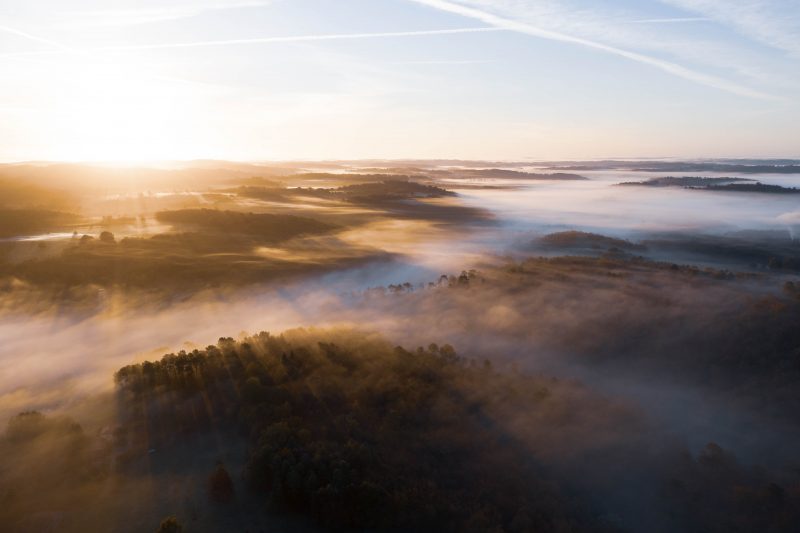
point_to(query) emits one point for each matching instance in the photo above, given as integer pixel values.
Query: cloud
(771, 22)
(519, 26)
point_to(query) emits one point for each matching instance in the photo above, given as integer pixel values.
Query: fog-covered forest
(399, 266)
(399, 346)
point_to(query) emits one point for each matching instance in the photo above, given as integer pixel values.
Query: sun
(107, 111)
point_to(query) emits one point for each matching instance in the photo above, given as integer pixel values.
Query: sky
(125, 80)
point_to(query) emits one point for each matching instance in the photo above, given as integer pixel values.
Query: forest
(750, 251)
(714, 184)
(203, 250)
(340, 430)
(444, 353)
(360, 435)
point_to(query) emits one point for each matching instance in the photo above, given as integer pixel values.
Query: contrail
(126, 17)
(297, 38)
(528, 29)
(668, 20)
(261, 40)
(34, 38)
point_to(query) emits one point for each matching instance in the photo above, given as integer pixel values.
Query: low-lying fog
(80, 351)
(598, 205)
(55, 357)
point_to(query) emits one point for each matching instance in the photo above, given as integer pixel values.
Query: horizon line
(124, 162)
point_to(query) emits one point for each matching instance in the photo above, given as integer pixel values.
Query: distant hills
(713, 184)
(738, 166)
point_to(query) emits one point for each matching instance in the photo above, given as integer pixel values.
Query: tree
(220, 485)
(170, 525)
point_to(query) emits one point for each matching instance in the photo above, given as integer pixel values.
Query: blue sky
(319, 79)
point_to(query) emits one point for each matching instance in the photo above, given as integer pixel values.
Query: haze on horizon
(472, 79)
